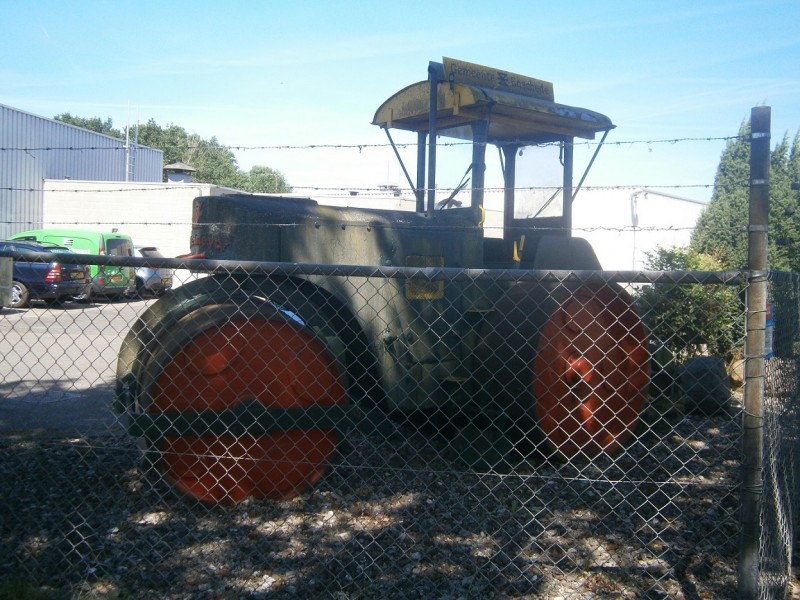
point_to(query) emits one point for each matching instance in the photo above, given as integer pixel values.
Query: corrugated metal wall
(34, 148)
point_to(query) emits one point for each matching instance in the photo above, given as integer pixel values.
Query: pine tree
(784, 227)
(722, 228)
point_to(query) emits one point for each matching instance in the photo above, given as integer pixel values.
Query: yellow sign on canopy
(467, 73)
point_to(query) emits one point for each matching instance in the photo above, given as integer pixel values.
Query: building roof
(179, 166)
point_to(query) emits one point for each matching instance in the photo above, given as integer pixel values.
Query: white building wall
(623, 225)
(153, 214)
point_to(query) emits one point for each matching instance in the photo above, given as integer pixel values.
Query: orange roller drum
(271, 360)
(591, 371)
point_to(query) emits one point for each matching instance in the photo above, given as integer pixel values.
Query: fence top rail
(207, 266)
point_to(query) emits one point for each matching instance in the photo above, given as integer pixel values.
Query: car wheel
(86, 297)
(141, 290)
(20, 296)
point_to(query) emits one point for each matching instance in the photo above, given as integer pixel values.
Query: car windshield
(118, 247)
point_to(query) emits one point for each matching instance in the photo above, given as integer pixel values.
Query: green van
(107, 280)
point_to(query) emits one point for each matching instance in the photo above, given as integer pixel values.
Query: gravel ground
(396, 517)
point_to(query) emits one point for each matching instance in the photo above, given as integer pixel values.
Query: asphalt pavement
(58, 366)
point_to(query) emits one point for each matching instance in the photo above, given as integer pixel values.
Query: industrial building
(34, 149)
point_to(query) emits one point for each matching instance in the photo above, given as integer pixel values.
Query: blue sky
(258, 74)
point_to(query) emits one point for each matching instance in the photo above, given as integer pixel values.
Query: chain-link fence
(267, 430)
(779, 478)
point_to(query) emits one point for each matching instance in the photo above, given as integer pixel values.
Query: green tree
(214, 162)
(784, 229)
(266, 180)
(691, 318)
(172, 140)
(95, 124)
(722, 228)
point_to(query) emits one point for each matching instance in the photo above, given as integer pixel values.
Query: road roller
(247, 382)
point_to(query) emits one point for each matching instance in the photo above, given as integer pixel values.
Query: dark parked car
(150, 280)
(53, 281)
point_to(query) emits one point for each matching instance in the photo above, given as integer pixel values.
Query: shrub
(691, 319)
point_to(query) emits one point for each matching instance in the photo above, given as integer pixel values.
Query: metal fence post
(753, 416)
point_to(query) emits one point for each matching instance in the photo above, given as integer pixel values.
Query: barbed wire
(151, 188)
(360, 146)
(552, 188)
(347, 191)
(335, 224)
